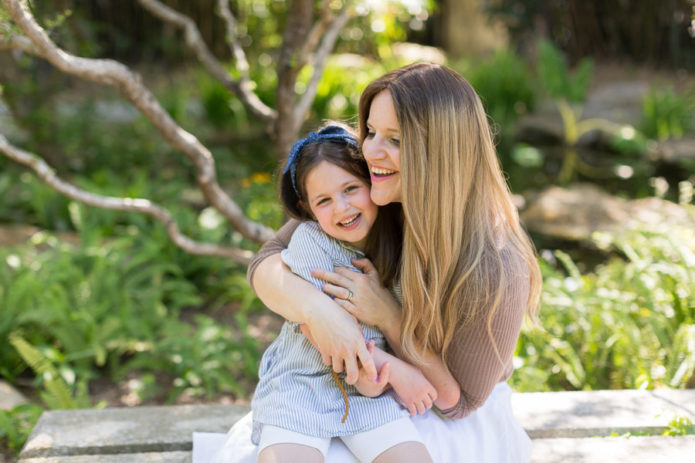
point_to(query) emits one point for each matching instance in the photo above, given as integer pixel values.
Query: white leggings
(366, 446)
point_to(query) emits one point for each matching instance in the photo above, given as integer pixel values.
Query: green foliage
(344, 77)
(16, 425)
(630, 323)
(506, 86)
(680, 426)
(57, 394)
(557, 79)
(667, 114)
(113, 306)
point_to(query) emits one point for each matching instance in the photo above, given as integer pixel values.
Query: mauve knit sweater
(472, 357)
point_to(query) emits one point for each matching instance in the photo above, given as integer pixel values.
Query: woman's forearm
(336, 333)
(285, 293)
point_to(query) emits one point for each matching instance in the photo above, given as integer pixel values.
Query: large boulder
(575, 212)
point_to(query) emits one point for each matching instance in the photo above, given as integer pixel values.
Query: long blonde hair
(462, 241)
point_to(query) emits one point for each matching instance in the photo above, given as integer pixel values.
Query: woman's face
(381, 149)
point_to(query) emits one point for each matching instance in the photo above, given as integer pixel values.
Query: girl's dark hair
(385, 238)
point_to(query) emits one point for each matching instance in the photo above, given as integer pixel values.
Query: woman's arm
(374, 305)
(336, 333)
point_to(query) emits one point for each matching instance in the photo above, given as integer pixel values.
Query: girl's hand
(366, 384)
(362, 294)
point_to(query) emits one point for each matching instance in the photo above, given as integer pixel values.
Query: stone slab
(600, 413)
(126, 430)
(648, 449)
(152, 457)
(10, 397)
(170, 428)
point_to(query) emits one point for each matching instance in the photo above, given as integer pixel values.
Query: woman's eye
(370, 134)
(351, 188)
(396, 141)
(322, 202)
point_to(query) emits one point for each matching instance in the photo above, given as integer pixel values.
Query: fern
(58, 395)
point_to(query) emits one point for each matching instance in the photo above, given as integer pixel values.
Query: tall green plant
(568, 89)
(57, 393)
(630, 323)
(667, 114)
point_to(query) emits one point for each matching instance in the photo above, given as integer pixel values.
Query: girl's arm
(374, 305)
(336, 333)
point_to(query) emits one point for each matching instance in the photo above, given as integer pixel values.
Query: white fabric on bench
(491, 434)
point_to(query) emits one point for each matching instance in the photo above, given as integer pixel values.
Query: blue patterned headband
(331, 133)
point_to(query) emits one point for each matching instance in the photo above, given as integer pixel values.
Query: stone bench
(566, 427)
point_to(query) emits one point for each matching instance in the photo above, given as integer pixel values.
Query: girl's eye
(351, 188)
(322, 202)
(395, 141)
(370, 134)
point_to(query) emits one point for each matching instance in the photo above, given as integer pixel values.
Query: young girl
(298, 406)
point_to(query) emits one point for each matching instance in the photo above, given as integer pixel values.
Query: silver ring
(349, 298)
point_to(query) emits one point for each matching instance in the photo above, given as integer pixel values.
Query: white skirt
(490, 434)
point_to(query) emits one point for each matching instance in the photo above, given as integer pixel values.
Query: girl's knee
(406, 452)
(290, 453)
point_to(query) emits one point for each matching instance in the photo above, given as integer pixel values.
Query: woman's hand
(336, 333)
(340, 340)
(361, 294)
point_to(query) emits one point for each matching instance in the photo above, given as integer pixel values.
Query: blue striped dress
(296, 391)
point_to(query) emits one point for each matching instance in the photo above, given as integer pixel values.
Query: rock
(541, 128)
(620, 102)
(675, 151)
(10, 397)
(574, 213)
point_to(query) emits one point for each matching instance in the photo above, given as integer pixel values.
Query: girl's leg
(279, 445)
(290, 453)
(394, 442)
(406, 452)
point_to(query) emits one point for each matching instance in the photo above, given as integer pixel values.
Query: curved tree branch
(48, 175)
(129, 84)
(18, 42)
(317, 31)
(230, 22)
(320, 56)
(241, 88)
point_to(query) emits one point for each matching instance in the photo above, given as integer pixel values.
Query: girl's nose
(342, 204)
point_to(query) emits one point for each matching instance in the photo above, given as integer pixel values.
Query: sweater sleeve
(481, 354)
(274, 246)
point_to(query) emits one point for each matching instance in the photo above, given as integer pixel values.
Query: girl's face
(340, 203)
(381, 149)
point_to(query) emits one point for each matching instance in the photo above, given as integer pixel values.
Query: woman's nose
(372, 149)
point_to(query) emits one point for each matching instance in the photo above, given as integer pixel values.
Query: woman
(468, 272)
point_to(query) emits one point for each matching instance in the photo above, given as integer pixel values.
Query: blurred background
(593, 107)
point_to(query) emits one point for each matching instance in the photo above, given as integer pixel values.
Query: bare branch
(297, 29)
(243, 88)
(144, 206)
(18, 42)
(320, 56)
(316, 33)
(230, 22)
(129, 84)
